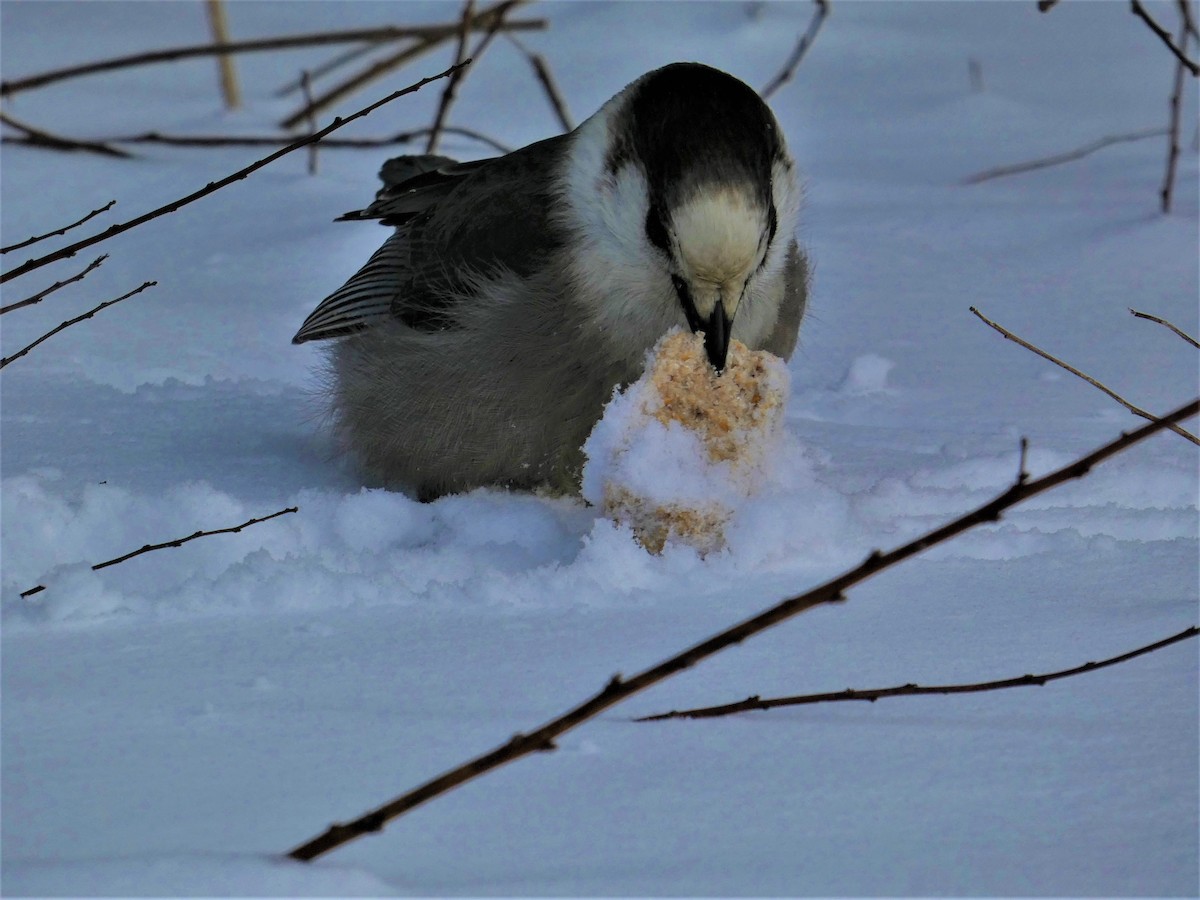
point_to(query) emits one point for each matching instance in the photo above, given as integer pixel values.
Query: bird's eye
(656, 230)
(680, 285)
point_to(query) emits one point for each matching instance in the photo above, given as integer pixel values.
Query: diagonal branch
(213, 186)
(619, 689)
(40, 296)
(1183, 334)
(798, 53)
(1060, 158)
(910, 690)
(541, 69)
(43, 138)
(67, 324)
(178, 542)
(1136, 410)
(58, 233)
(1140, 11)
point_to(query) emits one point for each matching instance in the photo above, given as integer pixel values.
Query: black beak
(716, 337)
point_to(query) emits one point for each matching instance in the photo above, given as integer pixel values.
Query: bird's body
(481, 342)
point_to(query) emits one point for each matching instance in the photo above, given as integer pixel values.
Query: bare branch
(541, 69)
(909, 690)
(1137, 411)
(483, 20)
(178, 542)
(212, 186)
(39, 297)
(306, 84)
(1140, 11)
(325, 68)
(1173, 140)
(282, 140)
(1183, 334)
(43, 138)
(67, 324)
(1060, 158)
(619, 689)
(460, 54)
(354, 35)
(793, 62)
(61, 231)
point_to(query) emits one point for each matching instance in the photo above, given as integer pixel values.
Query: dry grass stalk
(1137, 411)
(281, 140)
(218, 24)
(1183, 334)
(1163, 35)
(619, 689)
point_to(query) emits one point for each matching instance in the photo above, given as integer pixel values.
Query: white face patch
(719, 238)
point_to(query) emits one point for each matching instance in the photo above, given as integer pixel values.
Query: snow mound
(678, 451)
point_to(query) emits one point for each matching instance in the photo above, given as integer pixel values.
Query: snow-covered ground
(173, 724)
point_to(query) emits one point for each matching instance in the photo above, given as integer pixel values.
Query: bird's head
(681, 182)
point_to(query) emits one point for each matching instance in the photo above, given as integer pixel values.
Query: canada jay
(479, 344)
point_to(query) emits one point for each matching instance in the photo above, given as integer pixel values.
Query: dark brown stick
(61, 231)
(460, 53)
(1136, 410)
(422, 33)
(43, 138)
(793, 62)
(1189, 21)
(178, 542)
(1069, 156)
(37, 298)
(541, 69)
(230, 140)
(909, 690)
(1140, 11)
(619, 689)
(1173, 127)
(1183, 334)
(213, 186)
(67, 324)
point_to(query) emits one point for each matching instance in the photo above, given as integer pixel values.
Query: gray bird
(480, 343)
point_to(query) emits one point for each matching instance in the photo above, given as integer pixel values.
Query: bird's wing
(454, 222)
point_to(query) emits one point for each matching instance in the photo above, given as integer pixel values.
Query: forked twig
(1183, 334)
(43, 138)
(1137, 411)
(619, 689)
(1060, 158)
(58, 232)
(910, 690)
(806, 40)
(178, 542)
(354, 35)
(213, 186)
(1140, 11)
(39, 297)
(67, 324)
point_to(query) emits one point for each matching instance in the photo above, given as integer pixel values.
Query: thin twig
(1183, 334)
(483, 20)
(59, 232)
(354, 35)
(237, 140)
(39, 297)
(1060, 158)
(325, 68)
(219, 26)
(44, 138)
(793, 62)
(213, 186)
(1140, 11)
(1189, 21)
(1137, 411)
(67, 324)
(460, 53)
(178, 542)
(541, 69)
(306, 84)
(619, 689)
(909, 690)
(1173, 138)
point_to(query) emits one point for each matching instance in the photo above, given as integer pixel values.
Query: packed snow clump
(677, 451)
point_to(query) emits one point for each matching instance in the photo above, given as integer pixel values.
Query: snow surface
(171, 725)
